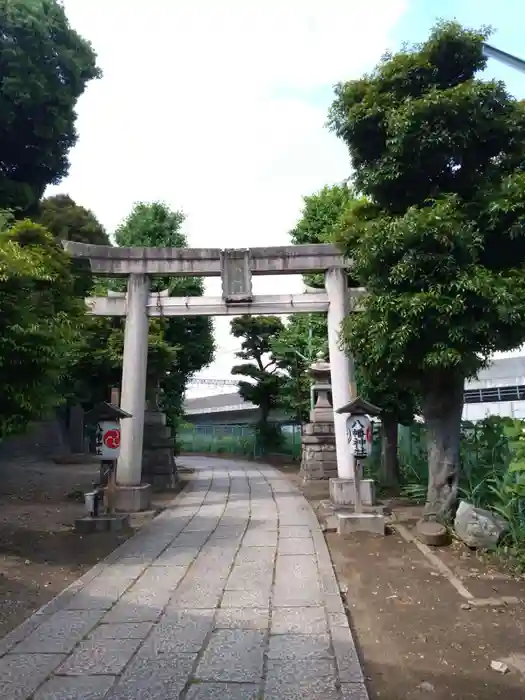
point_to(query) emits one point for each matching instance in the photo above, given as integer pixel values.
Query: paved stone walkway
(228, 594)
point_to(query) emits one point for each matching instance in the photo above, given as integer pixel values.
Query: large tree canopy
(68, 221)
(44, 68)
(438, 238)
(39, 316)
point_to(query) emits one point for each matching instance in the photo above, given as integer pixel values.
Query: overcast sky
(217, 107)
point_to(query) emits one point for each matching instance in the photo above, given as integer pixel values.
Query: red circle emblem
(111, 439)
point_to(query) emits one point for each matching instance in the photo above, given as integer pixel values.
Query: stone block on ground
(477, 527)
(102, 523)
(432, 533)
(350, 523)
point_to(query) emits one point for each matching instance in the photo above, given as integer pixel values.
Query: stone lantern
(357, 491)
(318, 453)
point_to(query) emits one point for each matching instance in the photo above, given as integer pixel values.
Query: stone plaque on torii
(235, 267)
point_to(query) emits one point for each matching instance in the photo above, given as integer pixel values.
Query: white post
(133, 391)
(341, 367)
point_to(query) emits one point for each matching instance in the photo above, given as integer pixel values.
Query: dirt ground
(40, 555)
(417, 636)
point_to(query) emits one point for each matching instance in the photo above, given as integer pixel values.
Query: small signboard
(108, 440)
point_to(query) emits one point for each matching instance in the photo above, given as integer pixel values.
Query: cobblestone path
(228, 594)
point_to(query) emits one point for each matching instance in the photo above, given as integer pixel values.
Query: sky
(218, 108)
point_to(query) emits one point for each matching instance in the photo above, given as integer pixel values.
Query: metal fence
(241, 440)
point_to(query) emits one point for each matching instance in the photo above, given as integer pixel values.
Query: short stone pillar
(318, 451)
(158, 451)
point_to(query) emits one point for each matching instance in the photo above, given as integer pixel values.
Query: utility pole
(503, 57)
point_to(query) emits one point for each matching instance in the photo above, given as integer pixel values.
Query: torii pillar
(132, 495)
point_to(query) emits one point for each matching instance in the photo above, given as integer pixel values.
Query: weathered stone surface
(102, 657)
(223, 691)
(299, 621)
(296, 582)
(75, 688)
(125, 630)
(233, 655)
(299, 646)
(21, 674)
(432, 533)
(478, 527)
(153, 677)
(296, 545)
(181, 631)
(312, 689)
(60, 633)
(242, 618)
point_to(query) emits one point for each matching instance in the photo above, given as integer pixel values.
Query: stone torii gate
(235, 267)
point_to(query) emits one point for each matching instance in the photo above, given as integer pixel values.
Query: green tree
(437, 239)
(44, 68)
(323, 216)
(179, 346)
(261, 367)
(295, 347)
(320, 219)
(39, 315)
(68, 221)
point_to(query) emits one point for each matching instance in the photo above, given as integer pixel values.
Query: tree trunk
(442, 407)
(389, 461)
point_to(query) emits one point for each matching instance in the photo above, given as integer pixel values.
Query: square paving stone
(299, 646)
(260, 538)
(61, 632)
(101, 657)
(299, 621)
(255, 554)
(313, 689)
(21, 674)
(75, 688)
(123, 630)
(346, 655)
(233, 655)
(294, 531)
(242, 618)
(296, 545)
(153, 677)
(181, 631)
(296, 582)
(291, 671)
(177, 556)
(246, 599)
(223, 691)
(354, 691)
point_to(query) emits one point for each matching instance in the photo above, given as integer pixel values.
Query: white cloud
(210, 105)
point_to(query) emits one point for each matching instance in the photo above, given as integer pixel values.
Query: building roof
(219, 402)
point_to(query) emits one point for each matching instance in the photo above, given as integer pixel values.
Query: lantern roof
(360, 407)
(105, 411)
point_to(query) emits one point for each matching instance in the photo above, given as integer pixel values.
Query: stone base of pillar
(342, 492)
(318, 453)
(132, 499)
(158, 461)
(350, 523)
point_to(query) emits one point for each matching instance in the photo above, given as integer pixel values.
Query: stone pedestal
(158, 460)
(319, 457)
(342, 492)
(132, 499)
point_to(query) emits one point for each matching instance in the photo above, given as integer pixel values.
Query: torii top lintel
(206, 262)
